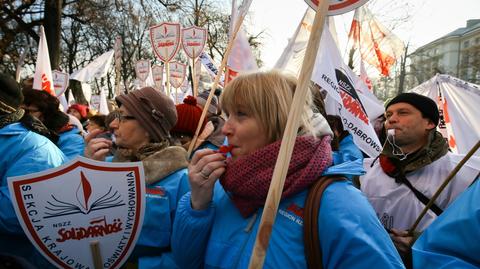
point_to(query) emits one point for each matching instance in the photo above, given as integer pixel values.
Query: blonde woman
(216, 223)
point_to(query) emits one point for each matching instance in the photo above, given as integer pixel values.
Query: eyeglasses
(124, 118)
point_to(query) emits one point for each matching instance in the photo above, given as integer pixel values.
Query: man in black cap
(23, 151)
(413, 164)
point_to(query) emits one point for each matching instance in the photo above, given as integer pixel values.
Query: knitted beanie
(152, 109)
(202, 100)
(82, 109)
(189, 115)
(10, 94)
(424, 104)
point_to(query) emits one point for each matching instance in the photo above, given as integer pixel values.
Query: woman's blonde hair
(267, 96)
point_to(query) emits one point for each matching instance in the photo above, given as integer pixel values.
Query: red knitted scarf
(247, 179)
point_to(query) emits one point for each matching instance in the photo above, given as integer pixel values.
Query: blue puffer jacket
(350, 234)
(71, 143)
(153, 245)
(452, 239)
(348, 156)
(351, 151)
(22, 152)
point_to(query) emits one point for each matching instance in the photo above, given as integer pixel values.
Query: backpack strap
(313, 252)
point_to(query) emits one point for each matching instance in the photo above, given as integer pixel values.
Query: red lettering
(165, 44)
(46, 84)
(353, 107)
(90, 231)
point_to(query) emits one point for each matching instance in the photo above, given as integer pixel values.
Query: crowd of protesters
(212, 201)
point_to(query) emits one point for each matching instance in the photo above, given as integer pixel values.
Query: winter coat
(219, 237)
(167, 181)
(351, 151)
(23, 152)
(397, 206)
(452, 239)
(71, 143)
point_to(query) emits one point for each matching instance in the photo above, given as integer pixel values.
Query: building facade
(456, 54)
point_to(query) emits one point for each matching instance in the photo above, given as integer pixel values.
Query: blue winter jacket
(350, 234)
(348, 158)
(451, 241)
(71, 143)
(22, 152)
(351, 151)
(153, 246)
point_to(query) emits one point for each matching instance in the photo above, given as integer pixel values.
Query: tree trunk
(53, 28)
(77, 91)
(403, 65)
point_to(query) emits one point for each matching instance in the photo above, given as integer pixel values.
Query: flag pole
(96, 256)
(194, 79)
(167, 71)
(21, 59)
(444, 184)
(281, 167)
(238, 23)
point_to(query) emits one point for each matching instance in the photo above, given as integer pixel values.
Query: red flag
(378, 46)
(43, 79)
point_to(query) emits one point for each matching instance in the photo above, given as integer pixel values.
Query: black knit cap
(10, 94)
(426, 105)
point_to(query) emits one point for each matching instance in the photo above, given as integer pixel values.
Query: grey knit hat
(153, 109)
(202, 100)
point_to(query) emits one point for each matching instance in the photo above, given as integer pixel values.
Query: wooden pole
(215, 82)
(96, 256)
(167, 71)
(281, 167)
(176, 96)
(444, 184)
(194, 78)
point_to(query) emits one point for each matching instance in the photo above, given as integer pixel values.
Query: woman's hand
(97, 148)
(205, 168)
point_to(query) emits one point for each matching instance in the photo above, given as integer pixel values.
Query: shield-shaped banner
(157, 74)
(177, 74)
(193, 40)
(142, 69)
(165, 39)
(65, 210)
(95, 102)
(337, 7)
(60, 82)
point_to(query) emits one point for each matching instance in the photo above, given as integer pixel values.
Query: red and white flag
(378, 46)
(43, 78)
(241, 58)
(364, 76)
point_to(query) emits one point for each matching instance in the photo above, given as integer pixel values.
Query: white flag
(43, 79)
(292, 57)
(103, 107)
(96, 69)
(354, 104)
